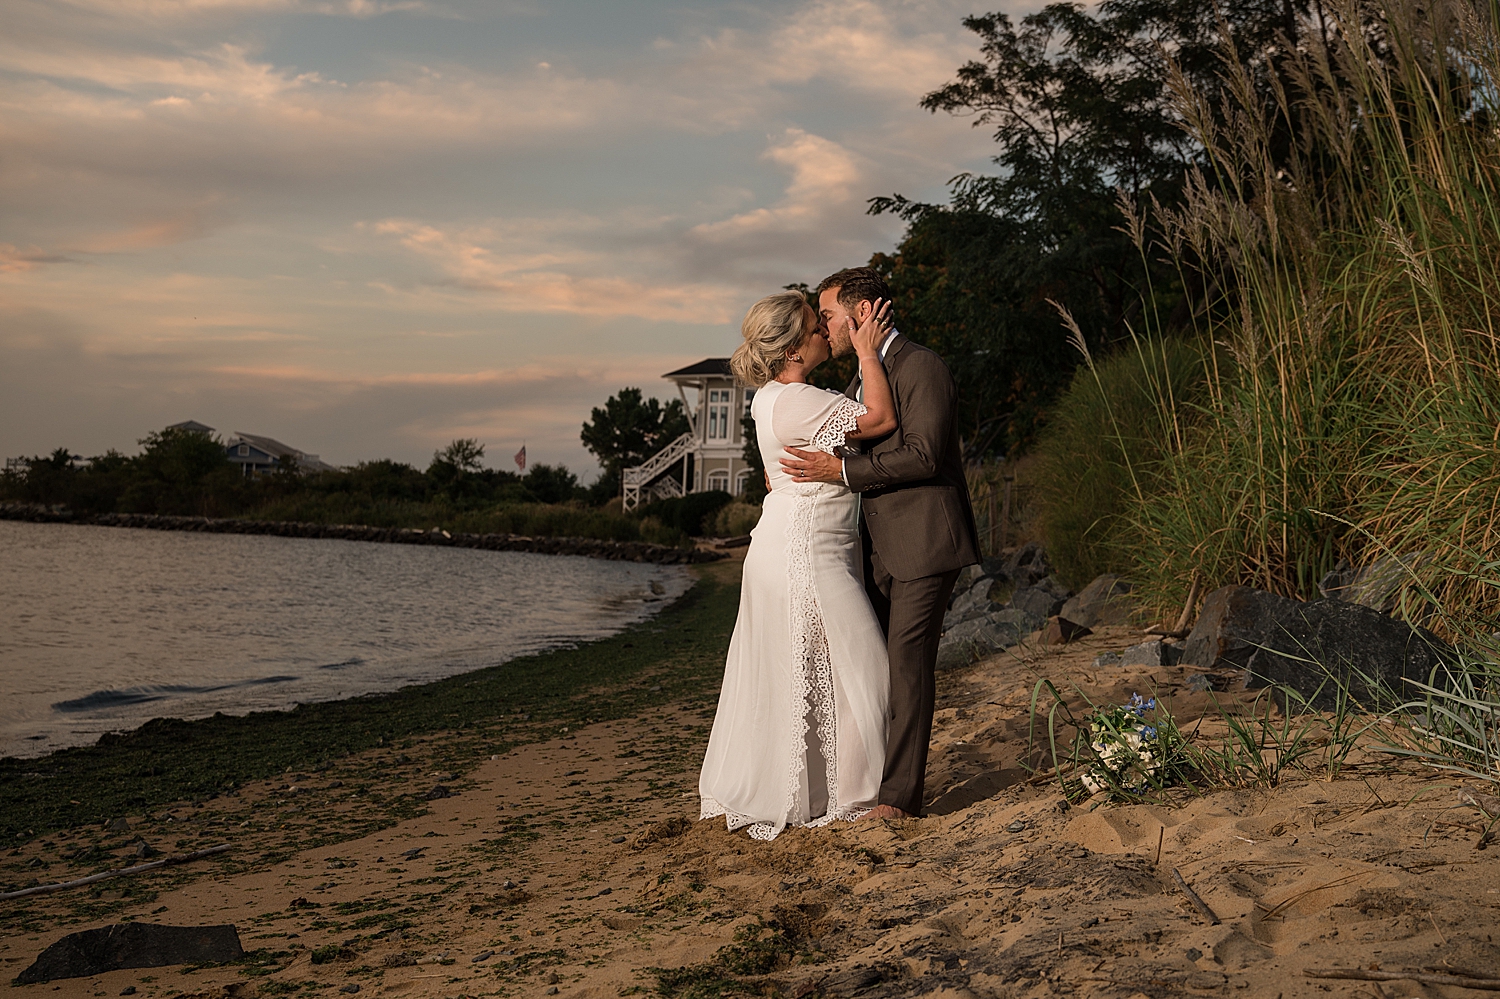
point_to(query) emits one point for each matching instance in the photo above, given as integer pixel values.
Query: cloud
(59, 389)
(190, 222)
(518, 273)
(825, 178)
(331, 233)
(15, 260)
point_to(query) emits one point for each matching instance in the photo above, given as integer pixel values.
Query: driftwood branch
(172, 861)
(1192, 897)
(1186, 618)
(1422, 977)
(1180, 629)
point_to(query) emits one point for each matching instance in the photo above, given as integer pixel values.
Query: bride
(799, 738)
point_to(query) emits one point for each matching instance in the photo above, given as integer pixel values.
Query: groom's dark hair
(855, 285)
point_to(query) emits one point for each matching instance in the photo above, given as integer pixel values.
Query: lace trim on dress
(812, 666)
(842, 422)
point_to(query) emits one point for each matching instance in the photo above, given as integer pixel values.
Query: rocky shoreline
(617, 551)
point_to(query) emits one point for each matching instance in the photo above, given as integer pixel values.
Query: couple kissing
(826, 708)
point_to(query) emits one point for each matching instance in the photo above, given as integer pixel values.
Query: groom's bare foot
(887, 812)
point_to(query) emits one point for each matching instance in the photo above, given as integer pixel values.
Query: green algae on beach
(676, 655)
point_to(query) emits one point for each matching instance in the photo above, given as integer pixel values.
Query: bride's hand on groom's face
(869, 334)
(812, 466)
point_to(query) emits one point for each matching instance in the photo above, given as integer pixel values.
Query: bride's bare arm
(881, 418)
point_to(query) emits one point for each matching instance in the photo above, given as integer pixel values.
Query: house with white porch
(710, 455)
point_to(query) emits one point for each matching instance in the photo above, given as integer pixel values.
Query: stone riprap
(998, 603)
(619, 551)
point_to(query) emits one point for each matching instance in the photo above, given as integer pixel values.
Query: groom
(917, 525)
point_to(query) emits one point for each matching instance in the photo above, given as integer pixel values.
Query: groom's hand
(813, 466)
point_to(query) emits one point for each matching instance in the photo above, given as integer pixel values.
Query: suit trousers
(911, 614)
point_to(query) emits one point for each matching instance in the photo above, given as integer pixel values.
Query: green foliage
(1082, 103)
(628, 430)
(1137, 751)
(734, 520)
(1101, 452)
(180, 472)
(552, 484)
(465, 454)
(756, 951)
(691, 514)
(755, 484)
(1347, 410)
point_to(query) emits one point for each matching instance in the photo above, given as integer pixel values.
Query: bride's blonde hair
(774, 325)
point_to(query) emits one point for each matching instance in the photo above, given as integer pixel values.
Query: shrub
(1101, 452)
(735, 519)
(689, 513)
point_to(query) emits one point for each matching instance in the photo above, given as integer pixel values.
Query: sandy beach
(576, 866)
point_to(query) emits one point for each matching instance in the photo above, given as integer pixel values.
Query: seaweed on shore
(676, 655)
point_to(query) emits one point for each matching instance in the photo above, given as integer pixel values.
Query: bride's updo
(774, 325)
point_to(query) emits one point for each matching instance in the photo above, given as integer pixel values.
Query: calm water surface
(103, 628)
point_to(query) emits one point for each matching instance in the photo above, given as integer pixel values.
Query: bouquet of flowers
(1129, 752)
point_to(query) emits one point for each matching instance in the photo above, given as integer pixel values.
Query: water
(104, 628)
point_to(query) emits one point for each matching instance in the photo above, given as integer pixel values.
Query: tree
(1080, 103)
(455, 469)
(628, 430)
(755, 484)
(181, 472)
(551, 483)
(465, 454)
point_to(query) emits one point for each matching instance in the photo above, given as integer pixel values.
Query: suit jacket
(914, 499)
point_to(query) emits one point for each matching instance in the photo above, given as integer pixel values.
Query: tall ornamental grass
(1339, 396)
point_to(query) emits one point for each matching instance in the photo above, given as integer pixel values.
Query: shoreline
(617, 551)
(673, 654)
(575, 866)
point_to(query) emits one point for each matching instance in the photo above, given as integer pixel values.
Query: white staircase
(651, 481)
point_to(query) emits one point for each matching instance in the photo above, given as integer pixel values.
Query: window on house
(244, 450)
(740, 481)
(718, 413)
(749, 396)
(718, 480)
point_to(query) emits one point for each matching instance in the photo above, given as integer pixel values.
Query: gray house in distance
(257, 455)
(709, 456)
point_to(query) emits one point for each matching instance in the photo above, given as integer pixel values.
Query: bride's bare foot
(887, 812)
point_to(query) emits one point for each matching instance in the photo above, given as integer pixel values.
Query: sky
(368, 227)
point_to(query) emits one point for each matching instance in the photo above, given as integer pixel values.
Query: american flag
(521, 458)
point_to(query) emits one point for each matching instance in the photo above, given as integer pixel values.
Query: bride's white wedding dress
(799, 738)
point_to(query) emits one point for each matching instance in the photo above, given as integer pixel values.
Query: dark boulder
(1061, 631)
(1232, 625)
(993, 632)
(1044, 599)
(1106, 600)
(1313, 647)
(1027, 565)
(132, 945)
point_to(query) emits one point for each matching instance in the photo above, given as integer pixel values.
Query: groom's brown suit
(918, 531)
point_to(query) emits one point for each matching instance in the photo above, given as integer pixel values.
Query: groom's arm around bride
(917, 520)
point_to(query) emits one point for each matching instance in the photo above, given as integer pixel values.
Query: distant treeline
(186, 473)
